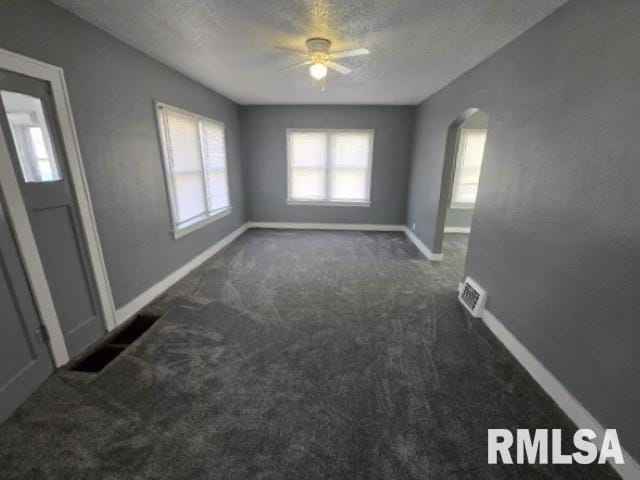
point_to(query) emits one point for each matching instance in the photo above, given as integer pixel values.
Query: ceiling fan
(321, 59)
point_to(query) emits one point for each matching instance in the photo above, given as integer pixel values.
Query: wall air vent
(473, 297)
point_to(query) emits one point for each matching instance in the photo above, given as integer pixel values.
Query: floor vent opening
(473, 297)
(114, 344)
(134, 329)
(98, 359)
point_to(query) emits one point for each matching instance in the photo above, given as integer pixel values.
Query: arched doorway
(464, 152)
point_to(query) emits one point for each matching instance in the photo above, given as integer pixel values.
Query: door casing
(17, 212)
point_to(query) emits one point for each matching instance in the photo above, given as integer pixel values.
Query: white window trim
(199, 222)
(330, 203)
(462, 205)
(196, 223)
(327, 202)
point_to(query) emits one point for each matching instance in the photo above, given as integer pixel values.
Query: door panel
(67, 277)
(30, 126)
(25, 361)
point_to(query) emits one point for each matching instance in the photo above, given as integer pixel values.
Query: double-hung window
(329, 167)
(467, 170)
(195, 166)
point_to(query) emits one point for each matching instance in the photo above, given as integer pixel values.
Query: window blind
(196, 165)
(308, 165)
(350, 166)
(468, 165)
(183, 143)
(215, 165)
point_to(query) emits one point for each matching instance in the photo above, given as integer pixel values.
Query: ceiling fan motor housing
(318, 45)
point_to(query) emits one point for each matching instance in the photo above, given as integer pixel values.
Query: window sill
(199, 222)
(321, 203)
(462, 206)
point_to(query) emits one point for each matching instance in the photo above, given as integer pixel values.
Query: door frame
(17, 212)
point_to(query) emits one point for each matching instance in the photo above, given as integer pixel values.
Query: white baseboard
(134, 306)
(328, 226)
(563, 398)
(457, 229)
(434, 257)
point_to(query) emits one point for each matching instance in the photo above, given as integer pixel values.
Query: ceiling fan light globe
(318, 71)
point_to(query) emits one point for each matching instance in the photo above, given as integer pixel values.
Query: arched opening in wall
(464, 152)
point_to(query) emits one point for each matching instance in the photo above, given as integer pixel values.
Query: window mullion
(204, 168)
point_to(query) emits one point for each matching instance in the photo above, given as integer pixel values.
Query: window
(31, 137)
(329, 167)
(196, 168)
(468, 163)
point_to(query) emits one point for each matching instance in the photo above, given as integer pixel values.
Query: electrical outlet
(413, 226)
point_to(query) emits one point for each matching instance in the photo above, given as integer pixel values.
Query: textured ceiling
(417, 46)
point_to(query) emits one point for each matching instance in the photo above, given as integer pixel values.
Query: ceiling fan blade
(293, 50)
(350, 53)
(338, 68)
(296, 65)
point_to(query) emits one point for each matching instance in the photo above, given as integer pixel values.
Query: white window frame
(327, 202)
(456, 173)
(186, 227)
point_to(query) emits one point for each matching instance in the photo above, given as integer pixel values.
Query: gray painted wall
(555, 234)
(461, 217)
(265, 161)
(112, 89)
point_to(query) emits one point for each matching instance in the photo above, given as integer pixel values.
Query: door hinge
(42, 334)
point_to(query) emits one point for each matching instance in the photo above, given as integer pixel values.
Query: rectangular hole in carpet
(113, 345)
(132, 331)
(98, 359)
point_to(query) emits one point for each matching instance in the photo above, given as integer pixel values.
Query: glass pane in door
(31, 137)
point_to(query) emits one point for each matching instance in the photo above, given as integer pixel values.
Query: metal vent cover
(473, 297)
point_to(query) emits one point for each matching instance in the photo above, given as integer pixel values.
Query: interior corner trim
(434, 257)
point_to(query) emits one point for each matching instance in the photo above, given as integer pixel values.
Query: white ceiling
(417, 46)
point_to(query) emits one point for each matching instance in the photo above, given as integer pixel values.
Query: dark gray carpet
(294, 355)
